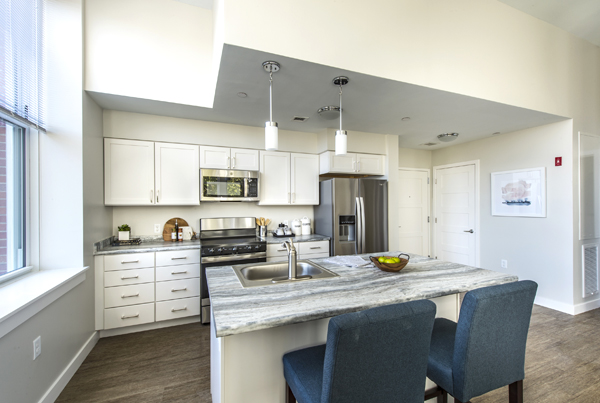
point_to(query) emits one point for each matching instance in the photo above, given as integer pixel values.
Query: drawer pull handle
(178, 258)
(178, 289)
(179, 272)
(129, 296)
(315, 247)
(281, 250)
(179, 309)
(137, 315)
(129, 261)
(129, 278)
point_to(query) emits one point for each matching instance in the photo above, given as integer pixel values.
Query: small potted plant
(124, 231)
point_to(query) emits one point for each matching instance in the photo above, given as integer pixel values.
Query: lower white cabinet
(177, 308)
(128, 295)
(128, 316)
(189, 287)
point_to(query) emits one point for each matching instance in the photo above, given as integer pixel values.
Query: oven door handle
(229, 258)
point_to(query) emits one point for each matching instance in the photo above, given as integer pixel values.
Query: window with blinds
(22, 61)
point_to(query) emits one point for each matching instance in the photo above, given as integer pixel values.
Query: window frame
(31, 178)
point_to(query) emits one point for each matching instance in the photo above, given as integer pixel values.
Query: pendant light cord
(340, 107)
(271, 96)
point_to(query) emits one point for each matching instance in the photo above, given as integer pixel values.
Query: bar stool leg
(515, 392)
(289, 395)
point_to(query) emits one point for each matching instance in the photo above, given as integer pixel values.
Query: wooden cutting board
(169, 225)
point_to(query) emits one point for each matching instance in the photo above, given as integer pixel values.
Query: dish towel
(349, 261)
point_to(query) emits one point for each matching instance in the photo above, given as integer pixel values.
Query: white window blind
(22, 61)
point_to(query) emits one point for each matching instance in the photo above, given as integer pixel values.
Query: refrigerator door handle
(358, 227)
(362, 226)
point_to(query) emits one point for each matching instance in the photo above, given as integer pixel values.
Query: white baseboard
(556, 305)
(586, 306)
(59, 384)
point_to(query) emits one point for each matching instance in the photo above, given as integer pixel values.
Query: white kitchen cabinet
(304, 179)
(288, 178)
(128, 172)
(274, 178)
(366, 164)
(229, 158)
(177, 174)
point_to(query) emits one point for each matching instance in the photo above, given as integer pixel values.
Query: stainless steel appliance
(354, 213)
(227, 242)
(229, 185)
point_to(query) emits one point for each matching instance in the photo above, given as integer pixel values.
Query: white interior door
(413, 207)
(455, 219)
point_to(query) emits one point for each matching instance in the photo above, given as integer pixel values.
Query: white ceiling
(371, 104)
(579, 17)
(207, 4)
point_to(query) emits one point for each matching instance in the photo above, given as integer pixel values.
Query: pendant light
(271, 129)
(341, 136)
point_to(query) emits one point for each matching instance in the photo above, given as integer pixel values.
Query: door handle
(358, 228)
(362, 226)
(470, 231)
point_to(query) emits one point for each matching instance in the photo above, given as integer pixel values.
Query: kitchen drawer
(305, 248)
(128, 315)
(166, 290)
(167, 273)
(178, 308)
(128, 261)
(128, 295)
(127, 277)
(276, 249)
(315, 255)
(177, 257)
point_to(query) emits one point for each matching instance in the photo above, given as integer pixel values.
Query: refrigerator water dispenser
(347, 228)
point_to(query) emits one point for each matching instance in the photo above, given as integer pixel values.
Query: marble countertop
(152, 246)
(240, 310)
(298, 238)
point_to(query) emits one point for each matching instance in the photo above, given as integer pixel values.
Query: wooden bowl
(391, 267)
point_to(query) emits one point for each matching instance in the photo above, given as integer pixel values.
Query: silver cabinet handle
(179, 272)
(233, 162)
(281, 250)
(294, 197)
(137, 315)
(178, 289)
(129, 261)
(157, 190)
(228, 162)
(179, 309)
(129, 278)
(358, 170)
(179, 258)
(129, 296)
(151, 196)
(315, 247)
(354, 166)
(470, 231)
(289, 198)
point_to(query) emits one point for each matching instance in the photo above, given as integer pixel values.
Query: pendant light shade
(341, 136)
(271, 129)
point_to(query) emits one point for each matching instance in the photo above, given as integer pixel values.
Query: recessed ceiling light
(242, 94)
(405, 118)
(447, 137)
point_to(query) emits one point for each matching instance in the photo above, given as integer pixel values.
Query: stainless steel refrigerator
(354, 213)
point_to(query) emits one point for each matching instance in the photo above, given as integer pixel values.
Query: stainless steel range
(227, 242)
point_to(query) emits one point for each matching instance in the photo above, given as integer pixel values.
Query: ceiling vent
(429, 144)
(299, 119)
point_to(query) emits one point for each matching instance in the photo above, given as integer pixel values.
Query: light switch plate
(157, 228)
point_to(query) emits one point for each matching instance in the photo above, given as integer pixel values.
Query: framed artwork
(520, 193)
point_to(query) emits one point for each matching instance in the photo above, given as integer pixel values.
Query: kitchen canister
(305, 226)
(297, 227)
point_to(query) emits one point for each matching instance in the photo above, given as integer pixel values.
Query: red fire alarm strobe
(558, 161)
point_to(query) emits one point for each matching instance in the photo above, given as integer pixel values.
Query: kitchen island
(251, 328)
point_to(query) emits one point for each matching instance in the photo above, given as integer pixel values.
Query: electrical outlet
(504, 264)
(157, 228)
(37, 347)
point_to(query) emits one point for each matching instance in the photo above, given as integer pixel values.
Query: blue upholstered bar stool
(485, 350)
(377, 355)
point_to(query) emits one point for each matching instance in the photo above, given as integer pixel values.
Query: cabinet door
(305, 179)
(370, 164)
(177, 174)
(331, 163)
(128, 172)
(214, 157)
(274, 178)
(244, 159)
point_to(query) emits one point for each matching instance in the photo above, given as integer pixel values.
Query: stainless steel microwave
(228, 185)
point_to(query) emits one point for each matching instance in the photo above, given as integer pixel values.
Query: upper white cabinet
(138, 173)
(288, 178)
(177, 174)
(229, 158)
(128, 172)
(366, 164)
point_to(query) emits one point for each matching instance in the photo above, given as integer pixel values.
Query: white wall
(409, 158)
(152, 49)
(539, 249)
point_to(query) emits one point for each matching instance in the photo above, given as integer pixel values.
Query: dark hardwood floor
(172, 364)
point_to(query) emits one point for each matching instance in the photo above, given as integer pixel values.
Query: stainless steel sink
(258, 274)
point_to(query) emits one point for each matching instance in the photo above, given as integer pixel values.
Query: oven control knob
(233, 249)
(257, 247)
(220, 250)
(211, 250)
